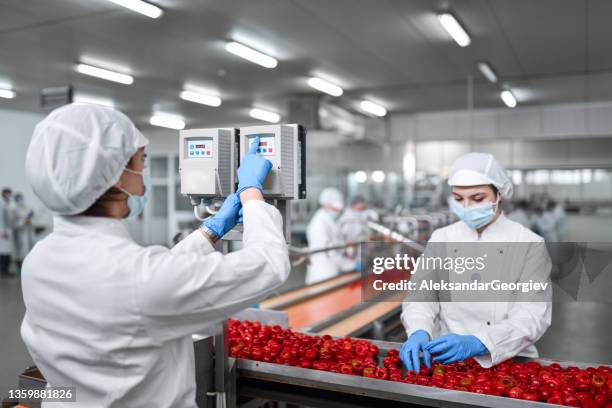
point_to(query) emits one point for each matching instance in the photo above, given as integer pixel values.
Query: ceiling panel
(392, 51)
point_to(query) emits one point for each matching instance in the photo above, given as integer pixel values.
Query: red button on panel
(208, 152)
(269, 150)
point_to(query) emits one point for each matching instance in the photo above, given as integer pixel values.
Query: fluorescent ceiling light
(452, 26)
(508, 98)
(94, 100)
(203, 99)
(104, 74)
(167, 121)
(7, 93)
(264, 115)
(378, 176)
(250, 54)
(141, 7)
(361, 176)
(373, 108)
(487, 71)
(324, 86)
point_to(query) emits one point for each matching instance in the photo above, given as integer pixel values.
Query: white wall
(16, 129)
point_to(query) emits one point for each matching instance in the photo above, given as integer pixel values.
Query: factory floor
(579, 332)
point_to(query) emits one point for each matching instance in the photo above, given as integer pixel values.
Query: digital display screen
(200, 149)
(266, 144)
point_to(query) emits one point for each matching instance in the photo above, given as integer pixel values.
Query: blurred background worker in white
(354, 220)
(323, 232)
(546, 222)
(114, 319)
(520, 213)
(6, 240)
(491, 332)
(23, 233)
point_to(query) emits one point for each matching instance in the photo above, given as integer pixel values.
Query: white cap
(474, 169)
(77, 153)
(332, 197)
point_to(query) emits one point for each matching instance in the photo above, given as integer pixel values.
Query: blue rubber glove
(409, 353)
(226, 218)
(454, 347)
(253, 169)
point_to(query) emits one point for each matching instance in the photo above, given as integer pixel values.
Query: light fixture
(452, 26)
(264, 115)
(373, 108)
(361, 176)
(200, 98)
(7, 93)
(94, 100)
(508, 97)
(104, 74)
(167, 121)
(488, 72)
(378, 176)
(324, 86)
(139, 6)
(250, 54)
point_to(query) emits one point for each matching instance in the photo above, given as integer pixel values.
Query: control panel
(207, 162)
(285, 147)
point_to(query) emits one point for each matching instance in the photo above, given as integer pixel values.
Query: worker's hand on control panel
(253, 169)
(226, 218)
(412, 348)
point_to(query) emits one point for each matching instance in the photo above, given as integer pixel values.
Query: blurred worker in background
(23, 234)
(110, 317)
(558, 213)
(353, 222)
(491, 332)
(546, 222)
(353, 225)
(520, 213)
(6, 240)
(323, 232)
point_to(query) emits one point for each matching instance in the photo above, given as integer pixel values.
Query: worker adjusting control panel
(285, 147)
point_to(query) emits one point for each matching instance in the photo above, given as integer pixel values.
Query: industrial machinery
(285, 147)
(207, 162)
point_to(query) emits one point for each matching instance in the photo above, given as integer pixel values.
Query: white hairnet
(77, 153)
(331, 197)
(474, 169)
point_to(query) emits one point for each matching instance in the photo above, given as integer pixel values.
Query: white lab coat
(323, 232)
(23, 235)
(6, 225)
(505, 328)
(114, 319)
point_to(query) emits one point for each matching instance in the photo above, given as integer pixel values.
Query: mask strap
(140, 173)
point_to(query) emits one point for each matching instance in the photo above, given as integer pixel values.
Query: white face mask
(136, 203)
(478, 215)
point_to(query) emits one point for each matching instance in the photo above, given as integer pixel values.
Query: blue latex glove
(454, 347)
(409, 353)
(253, 169)
(226, 218)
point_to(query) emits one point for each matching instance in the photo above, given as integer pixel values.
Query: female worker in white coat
(111, 317)
(323, 232)
(491, 332)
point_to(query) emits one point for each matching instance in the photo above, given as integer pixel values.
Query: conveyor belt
(299, 295)
(322, 307)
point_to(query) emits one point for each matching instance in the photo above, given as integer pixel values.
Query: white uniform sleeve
(180, 291)
(422, 313)
(194, 243)
(527, 321)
